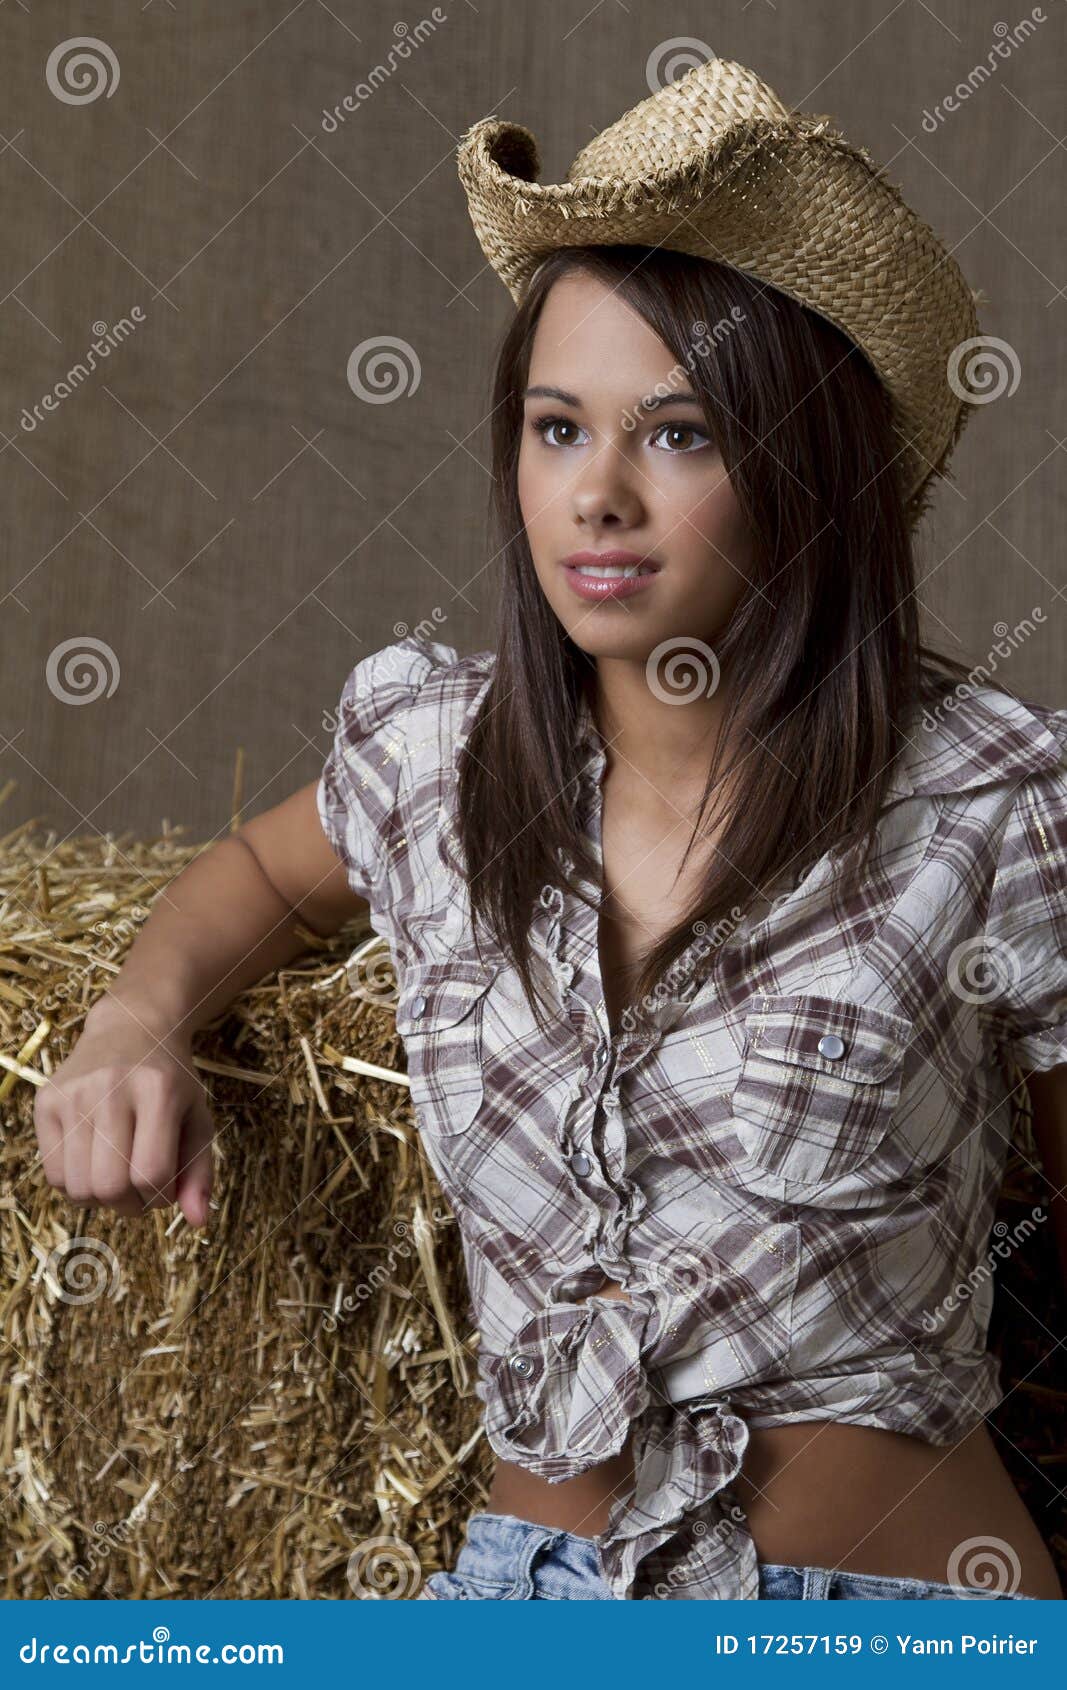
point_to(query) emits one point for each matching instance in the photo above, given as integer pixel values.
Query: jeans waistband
(511, 1557)
(523, 1558)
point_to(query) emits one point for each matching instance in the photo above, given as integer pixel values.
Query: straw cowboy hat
(715, 165)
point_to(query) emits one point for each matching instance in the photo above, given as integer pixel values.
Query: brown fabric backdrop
(214, 504)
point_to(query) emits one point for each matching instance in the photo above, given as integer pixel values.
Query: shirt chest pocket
(439, 1017)
(819, 1081)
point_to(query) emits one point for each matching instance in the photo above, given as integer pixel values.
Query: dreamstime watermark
(1008, 39)
(370, 1286)
(372, 979)
(668, 660)
(680, 971)
(983, 369)
(105, 1538)
(384, 1569)
(82, 1270)
(724, 1529)
(407, 40)
(81, 69)
(381, 1274)
(160, 1651)
(423, 630)
(988, 1562)
(383, 368)
(1008, 641)
(107, 338)
(81, 670)
(675, 58)
(1008, 1241)
(705, 340)
(112, 937)
(983, 969)
(387, 664)
(679, 1270)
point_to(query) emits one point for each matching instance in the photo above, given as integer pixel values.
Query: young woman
(876, 1495)
(715, 911)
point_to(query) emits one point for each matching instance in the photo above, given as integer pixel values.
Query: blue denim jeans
(507, 1559)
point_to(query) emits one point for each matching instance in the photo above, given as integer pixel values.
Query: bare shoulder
(299, 861)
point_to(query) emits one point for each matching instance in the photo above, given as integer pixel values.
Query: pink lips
(595, 587)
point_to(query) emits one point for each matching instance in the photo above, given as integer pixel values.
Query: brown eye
(543, 425)
(687, 432)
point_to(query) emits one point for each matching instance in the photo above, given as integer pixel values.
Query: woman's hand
(124, 1122)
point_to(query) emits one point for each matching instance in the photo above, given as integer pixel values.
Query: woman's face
(589, 482)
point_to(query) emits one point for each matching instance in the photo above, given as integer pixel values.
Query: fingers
(48, 1125)
(77, 1154)
(196, 1164)
(108, 1178)
(129, 1140)
(153, 1156)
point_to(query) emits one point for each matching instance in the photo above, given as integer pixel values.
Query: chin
(632, 643)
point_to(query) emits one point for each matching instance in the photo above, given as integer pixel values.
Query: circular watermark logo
(384, 368)
(672, 59)
(383, 1569)
(983, 969)
(84, 1269)
(82, 69)
(983, 369)
(81, 670)
(371, 978)
(680, 669)
(987, 1562)
(680, 1270)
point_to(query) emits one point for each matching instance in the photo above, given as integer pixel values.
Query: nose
(604, 495)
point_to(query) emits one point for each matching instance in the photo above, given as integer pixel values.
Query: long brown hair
(823, 651)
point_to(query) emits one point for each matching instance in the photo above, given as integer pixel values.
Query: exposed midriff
(828, 1494)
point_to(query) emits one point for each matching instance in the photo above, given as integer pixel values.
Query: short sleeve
(1026, 928)
(358, 789)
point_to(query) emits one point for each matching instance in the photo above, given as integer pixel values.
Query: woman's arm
(230, 918)
(1048, 1096)
(124, 1120)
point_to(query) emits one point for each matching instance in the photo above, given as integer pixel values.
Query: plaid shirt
(790, 1160)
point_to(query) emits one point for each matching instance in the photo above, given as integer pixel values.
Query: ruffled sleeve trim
(360, 784)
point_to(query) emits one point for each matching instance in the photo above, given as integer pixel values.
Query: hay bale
(282, 1404)
(278, 1405)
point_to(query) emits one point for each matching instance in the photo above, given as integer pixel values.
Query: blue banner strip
(432, 1644)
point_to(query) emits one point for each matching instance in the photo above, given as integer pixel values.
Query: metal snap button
(418, 1005)
(830, 1045)
(521, 1364)
(581, 1163)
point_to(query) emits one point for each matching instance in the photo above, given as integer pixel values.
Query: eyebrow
(653, 402)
